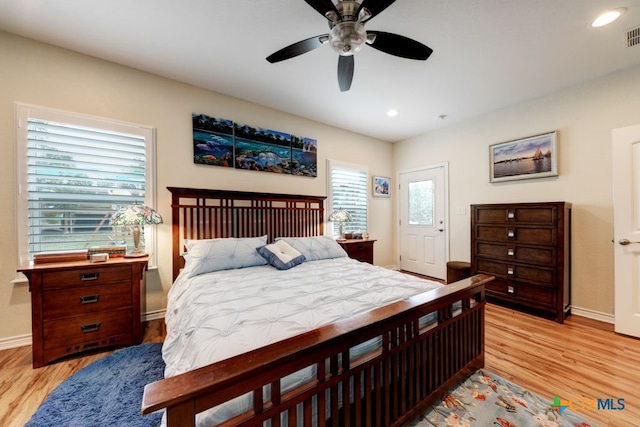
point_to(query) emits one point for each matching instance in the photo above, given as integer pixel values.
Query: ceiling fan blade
(401, 46)
(374, 6)
(323, 6)
(345, 72)
(298, 48)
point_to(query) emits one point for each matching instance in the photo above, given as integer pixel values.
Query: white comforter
(217, 315)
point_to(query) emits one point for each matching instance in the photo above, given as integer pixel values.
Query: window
(74, 172)
(348, 190)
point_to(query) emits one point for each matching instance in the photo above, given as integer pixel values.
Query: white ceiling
(487, 54)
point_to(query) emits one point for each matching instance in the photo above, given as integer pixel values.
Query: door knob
(625, 242)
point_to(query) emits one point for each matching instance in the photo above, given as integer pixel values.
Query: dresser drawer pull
(90, 328)
(511, 215)
(89, 299)
(89, 276)
(510, 290)
(510, 252)
(510, 270)
(511, 234)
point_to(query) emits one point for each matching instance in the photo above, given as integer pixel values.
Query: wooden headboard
(208, 214)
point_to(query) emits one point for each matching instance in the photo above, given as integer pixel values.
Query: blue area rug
(108, 392)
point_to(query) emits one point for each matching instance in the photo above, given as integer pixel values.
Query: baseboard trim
(13, 342)
(26, 339)
(592, 314)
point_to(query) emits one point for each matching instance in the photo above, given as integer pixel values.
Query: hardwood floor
(581, 360)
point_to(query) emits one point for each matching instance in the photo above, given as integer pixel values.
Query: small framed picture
(532, 157)
(381, 186)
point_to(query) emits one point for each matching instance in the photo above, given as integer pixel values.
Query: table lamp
(136, 216)
(340, 216)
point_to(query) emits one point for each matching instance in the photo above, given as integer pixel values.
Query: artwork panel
(262, 149)
(304, 156)
(212, 141)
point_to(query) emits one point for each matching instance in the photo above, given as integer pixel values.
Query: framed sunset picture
(525, 158)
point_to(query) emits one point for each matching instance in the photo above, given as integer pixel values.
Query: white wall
(584, 116)
(39, 74)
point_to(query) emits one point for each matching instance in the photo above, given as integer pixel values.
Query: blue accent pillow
(209, 255)
(281, 255)
(316, 247)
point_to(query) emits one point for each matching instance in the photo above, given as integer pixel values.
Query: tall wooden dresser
(527, 247)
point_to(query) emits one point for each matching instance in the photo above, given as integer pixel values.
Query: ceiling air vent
(632, 37)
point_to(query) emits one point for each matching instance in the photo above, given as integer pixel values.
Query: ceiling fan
(348, 36)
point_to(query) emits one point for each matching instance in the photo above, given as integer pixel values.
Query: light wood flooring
(579, 359)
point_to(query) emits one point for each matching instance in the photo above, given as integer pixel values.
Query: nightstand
(78, 306)
(359, 249)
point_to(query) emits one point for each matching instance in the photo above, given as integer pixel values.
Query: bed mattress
(214, 316)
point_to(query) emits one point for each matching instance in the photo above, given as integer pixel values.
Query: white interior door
(626, 216)
(422, 221)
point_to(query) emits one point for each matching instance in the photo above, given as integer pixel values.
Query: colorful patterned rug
(485, 399)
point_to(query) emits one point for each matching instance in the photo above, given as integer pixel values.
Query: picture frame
(525, 158)
(381, 186)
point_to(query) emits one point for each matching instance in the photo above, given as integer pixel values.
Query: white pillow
(207, 255)
(281, 255)
(315, 247)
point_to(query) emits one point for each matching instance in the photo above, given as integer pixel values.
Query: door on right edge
(626, 224)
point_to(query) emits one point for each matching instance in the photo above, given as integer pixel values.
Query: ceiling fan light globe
(347, 38)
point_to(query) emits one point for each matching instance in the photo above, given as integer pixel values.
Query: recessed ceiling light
(608, 17)
(392, 113)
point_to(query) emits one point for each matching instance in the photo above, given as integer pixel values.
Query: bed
(376, 348)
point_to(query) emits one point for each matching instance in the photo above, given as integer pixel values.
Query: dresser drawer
(87, 328)
(527, 235)
(518, 214)
(79, 300)
(529, 254)
(533, 296)
(85, 276)
(536, 275)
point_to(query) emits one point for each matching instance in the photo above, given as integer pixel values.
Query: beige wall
(584, 116)
(42, 75)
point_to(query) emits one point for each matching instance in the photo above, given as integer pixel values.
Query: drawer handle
(511, 215)
(511, 234)
(89, 276)
(90, 328)
(510, 270)
(510, 290)
(510, 252)
(89, 299)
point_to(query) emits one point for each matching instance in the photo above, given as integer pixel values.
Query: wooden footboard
(415, 366)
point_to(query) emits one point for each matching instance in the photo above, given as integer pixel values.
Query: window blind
(76, 177)
(349, 192)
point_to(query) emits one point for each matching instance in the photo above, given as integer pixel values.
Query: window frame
(24, 112)
(329, 208)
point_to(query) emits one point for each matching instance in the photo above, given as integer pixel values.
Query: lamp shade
(136, 214)
(340, 215)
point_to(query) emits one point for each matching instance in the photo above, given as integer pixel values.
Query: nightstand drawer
(85, 276)
(85, 299)
(87, 328)
(362, 250)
